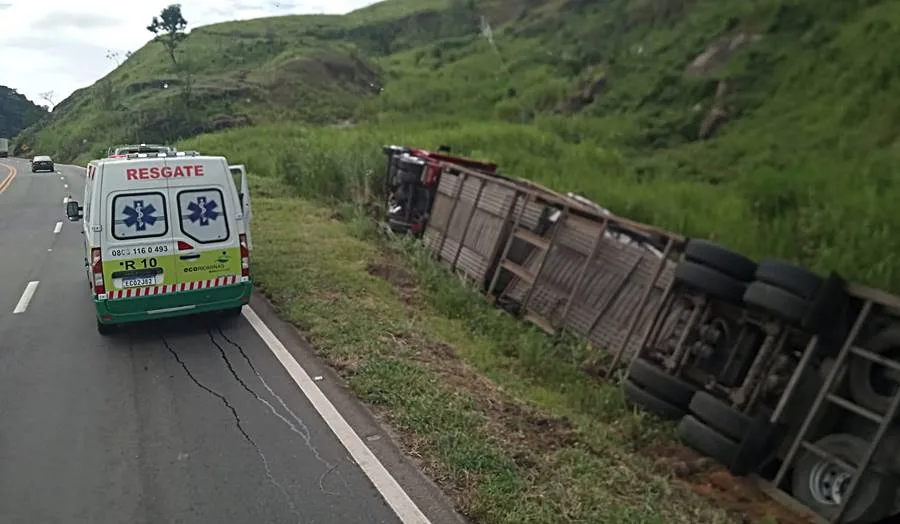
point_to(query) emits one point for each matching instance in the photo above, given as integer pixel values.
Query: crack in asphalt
(303, 432)
(240, 428)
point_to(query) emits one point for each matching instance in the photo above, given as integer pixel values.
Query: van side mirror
(73, 211)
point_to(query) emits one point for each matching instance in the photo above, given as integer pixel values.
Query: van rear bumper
(172, 305)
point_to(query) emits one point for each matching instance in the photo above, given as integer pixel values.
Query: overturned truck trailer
(776, 372)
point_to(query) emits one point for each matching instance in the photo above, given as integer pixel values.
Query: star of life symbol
(203, 210)
(140, 216)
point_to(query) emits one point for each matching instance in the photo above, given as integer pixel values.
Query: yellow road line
(6, 182)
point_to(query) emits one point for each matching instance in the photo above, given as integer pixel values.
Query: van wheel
(105, 329)
(232, 312)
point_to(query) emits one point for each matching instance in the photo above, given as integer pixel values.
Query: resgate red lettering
(147, 173)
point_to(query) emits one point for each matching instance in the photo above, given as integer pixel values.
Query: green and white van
(166, 234)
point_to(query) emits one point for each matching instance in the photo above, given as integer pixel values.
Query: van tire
(233, 312)
(105, 329)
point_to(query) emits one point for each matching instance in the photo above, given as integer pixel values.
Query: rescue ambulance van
(166, 234)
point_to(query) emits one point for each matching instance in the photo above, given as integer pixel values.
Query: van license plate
(138, 282)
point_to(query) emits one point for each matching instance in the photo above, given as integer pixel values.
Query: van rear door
(207, 230)
(240, 172)
(138, 248)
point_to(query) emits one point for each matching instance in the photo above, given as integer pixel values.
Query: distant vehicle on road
(42, 163)
(166, 234)
(4, 147)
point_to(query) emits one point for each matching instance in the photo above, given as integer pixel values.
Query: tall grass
(815, 215)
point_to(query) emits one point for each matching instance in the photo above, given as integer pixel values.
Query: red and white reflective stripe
(172, 288)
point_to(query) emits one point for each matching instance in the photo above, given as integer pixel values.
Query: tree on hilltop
(169, 29)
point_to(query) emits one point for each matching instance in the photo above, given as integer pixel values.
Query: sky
(59, 46)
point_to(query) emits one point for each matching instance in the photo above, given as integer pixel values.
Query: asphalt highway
(198, 420)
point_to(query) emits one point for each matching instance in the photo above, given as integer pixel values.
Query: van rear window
(139, 215)
(202, 215)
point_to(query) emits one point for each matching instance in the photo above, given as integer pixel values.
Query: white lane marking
(390, 490)
(62, 178)
(26, 297)
(58, 228)
(66, 186)
(66, 200)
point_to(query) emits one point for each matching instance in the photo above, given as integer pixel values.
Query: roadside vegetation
(509, 424)
(17, 112)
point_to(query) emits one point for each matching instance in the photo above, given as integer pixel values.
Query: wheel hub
(828, 483)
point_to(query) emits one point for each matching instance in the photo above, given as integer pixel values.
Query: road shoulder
(378, 437)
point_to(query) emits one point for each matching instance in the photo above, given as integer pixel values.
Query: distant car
(42, 163)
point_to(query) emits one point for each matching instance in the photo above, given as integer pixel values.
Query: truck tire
(717, 257)
(710, 281)
(861, 375)
(707, 441)
(650, 402)
(774, 300)
(720, 416)
(797, 280)
(663, 385)
(819, 484)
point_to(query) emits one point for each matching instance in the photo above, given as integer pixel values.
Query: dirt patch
(710, 479)
(522, 430)
(401, 278)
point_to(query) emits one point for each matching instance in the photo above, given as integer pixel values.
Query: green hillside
(16, 112)
(769, 125)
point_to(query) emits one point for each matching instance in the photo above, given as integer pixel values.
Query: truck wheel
(869, 385)
(821, 484)
(650, 402)
(663, 385)
(714, 256)
(795, 279)
(774, 300)
(710, 281)
(707, 441)
(720, 416)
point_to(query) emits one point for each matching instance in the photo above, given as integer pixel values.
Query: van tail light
(245, 257)
(97, 272)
